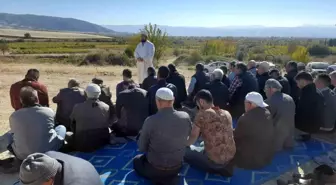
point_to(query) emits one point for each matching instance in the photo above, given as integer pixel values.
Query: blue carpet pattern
(114, 163)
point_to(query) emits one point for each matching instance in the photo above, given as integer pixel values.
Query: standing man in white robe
(144, 54)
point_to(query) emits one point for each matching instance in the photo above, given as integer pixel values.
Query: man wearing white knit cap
(254, 134)
(54, 168)
(163, 139)
(90, 121)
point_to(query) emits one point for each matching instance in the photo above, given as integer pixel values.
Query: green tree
(176, 52)
(319, 50)
(158, 37)
(4, 46)
(301, 54)
(27, 36)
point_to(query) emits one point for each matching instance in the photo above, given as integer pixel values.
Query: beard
(143, 40)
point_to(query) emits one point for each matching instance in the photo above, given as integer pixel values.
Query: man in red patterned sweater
(31, 79)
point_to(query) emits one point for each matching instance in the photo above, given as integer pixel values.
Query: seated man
(132, 110)
(150, 80)
(105, 95)
(54, 168)
(282, 108)
(127, 76)
(218, 90)
(322, 83)
(225, 79)
(31, 79)
(254, 135)
(91, 121)
(275, 74)
(32, 127)
(215, 125)
(163, 74)
(178, 80)
(163, 138)
(66, 99)
(310, 106)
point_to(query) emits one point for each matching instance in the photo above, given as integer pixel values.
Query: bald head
(217, 74)
(28, 96)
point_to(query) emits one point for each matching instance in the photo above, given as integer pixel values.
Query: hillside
(39, 22)
(239, 31)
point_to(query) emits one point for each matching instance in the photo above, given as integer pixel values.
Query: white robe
(145, 51)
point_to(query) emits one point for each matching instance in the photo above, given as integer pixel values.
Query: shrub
(27, 36)
(129, 52)
(176, 52)
(319, 50)
(194, 58)
(94, 58)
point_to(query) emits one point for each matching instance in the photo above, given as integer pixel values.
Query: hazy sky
(205, 13)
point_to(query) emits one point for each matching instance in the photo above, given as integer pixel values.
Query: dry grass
(48, 34)
(56, 76)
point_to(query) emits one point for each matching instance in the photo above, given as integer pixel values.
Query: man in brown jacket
(254, 134)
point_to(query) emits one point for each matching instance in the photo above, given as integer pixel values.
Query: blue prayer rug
(115, 166)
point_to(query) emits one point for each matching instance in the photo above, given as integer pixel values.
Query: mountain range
(50, 23)
(40, 22)
(307, 31)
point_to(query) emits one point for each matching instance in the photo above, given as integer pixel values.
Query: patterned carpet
(114, 163)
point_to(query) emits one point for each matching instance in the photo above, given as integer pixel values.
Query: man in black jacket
(178, 80)
(132, 110)
(197, 82)
(225, 78)
(163, 74)
(292, 71)
(248, 83)
(275, 74)
(310, 106)
(219, 91)
(262, 76)
(54, 168)
(150, 80)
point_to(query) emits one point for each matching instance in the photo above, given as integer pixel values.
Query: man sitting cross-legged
(215, 125)
(91, 121)
(282, 108)
(54, 168)
(163, 138)
(132, 110)
(254, 134)
(32, 127)
(66, 99)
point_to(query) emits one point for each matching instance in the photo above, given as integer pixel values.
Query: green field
(61, 47)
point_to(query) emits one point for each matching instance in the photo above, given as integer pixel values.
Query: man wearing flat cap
(144, 53)
(282, 108)
(163, 138)
(54, 168)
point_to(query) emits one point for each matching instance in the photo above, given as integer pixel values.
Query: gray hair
(264, 65)
(217, 74)
(273, 84)
(252, 63)
(28, 96)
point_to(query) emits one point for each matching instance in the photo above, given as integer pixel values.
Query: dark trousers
(156, 176)
(199, 160)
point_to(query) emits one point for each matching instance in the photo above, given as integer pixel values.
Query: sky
(192, 13)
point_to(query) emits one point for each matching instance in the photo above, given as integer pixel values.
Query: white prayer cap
(256, 98)
(144, 33)
(165, 94)
(92, 91)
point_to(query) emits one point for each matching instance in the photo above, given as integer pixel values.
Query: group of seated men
(166, 135)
